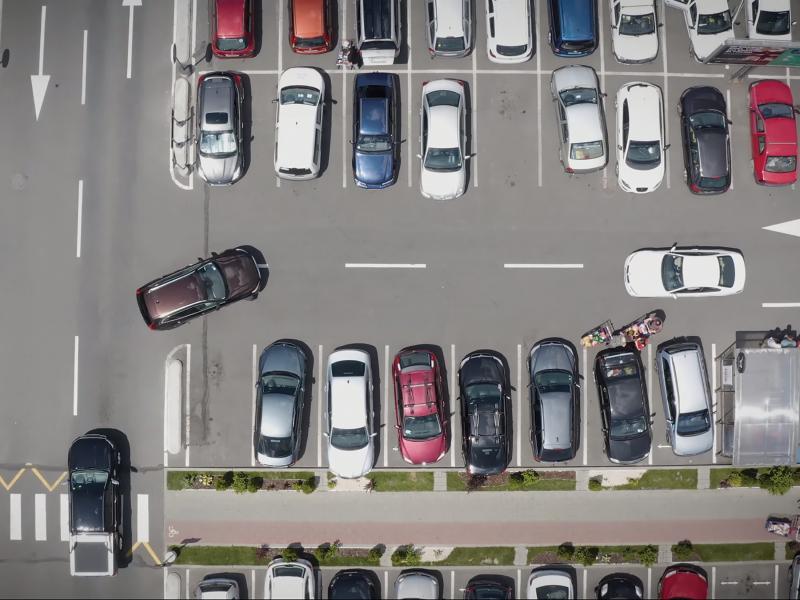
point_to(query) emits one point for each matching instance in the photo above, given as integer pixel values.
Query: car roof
(712, 145)
(707, 7)
(348, 402)
(217, 96)
(443, 127)
(700, 271)
(374, 116)
(644, 110)
(449, 18)
(175, 292)
(557, 420)
(377, 17)
(511, 22)
(584, 122)
(701, 99)
(577, 19)
(418, 392)
(686, 362)
(277, 415)
(296, 130)
(309, 18)
(230, 18)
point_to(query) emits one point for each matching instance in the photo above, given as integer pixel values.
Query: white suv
(298, 123)
(348, 427)
(640, 137)
(449, 27)
(509, 27)
(634, 30)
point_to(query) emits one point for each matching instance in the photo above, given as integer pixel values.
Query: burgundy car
(684, 581)
(419, 406)
(233, 29)
(173, 299)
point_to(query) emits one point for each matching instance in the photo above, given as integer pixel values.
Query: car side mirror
(397, 427)
(673, 247)
(373, 434)
(325, 433)
(419, 156)
(619, 147)
(274, 100)
(114, 481)
(667, 147)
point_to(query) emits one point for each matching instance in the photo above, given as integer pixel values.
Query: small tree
(566, 552)
(375, 553)
(586, 555)
(529, 476)
(734, 479)
(241, 482)
(255, 483)
(595, 484)
(290, 554)
(406, 555)
(326, 552)
(648, 555)
(224, 481)
(683, 550)
(777, 480)
(305, 485)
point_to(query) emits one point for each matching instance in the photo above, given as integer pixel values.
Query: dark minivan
(573, 27)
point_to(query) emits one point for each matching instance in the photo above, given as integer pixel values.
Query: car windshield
(421, 428)
(374, 143)
(623, 429)
(693, 423)
(275, 447)
(88, 479)
(217, 143)
(284, 384)
(415, 359)
(450, 44)
(314, 42)
(773, 23)
(231, 44)
(443, 159)
(552, 592)
(349, 439)
(713, 182)
(643, 155)
(716, 23)
(772, 110)
(289, 571)
(348, 368)
(637, 24)
(727, 273)
(712, 119)
(553, 381)
(781, 164)
(213, 281)
(442, 98)
(586, 150)
(672, 272)
(300, 95)
(579, 96)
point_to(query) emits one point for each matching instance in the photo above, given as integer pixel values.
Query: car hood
(552, 356)
(86, 506)
(269, 461)
(240, 272)
(688, 445)
(704, 45)
(282, 358)
(350, 464)
(649, 179)
(442, 185)
(631, 450)
(643, 274)
(423, 451)
(630, 48)
(374, 168)
(219, 171)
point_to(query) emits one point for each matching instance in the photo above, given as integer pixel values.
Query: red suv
(684, 581)
(773, 133)
(233, 28)
(419, 406)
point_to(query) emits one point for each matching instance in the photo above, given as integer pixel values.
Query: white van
(378, 27)
(298, 123)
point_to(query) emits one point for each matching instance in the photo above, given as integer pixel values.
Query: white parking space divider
(15, 517)
(40, 517)
(320, 388)
(584, 401)
(453, 402)
(714, 401)
(650, 391)
(253, 400)
(385, 404)
(519, 405)
(64, 516)
(142, 518)
(173, 396)
(188, 413)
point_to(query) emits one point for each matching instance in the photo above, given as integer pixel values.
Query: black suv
(706, 140)
(624, 408)
(485, 413)
(94, 497)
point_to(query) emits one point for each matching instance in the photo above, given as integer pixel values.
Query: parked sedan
(449, 27)
(640, 137)
(482, 587)
(290, 580)
(217, 588)
(706, 140)
(353, 584)
(349, 414)
(418, 585)
(634, 32)
(419, 406)
(708, 23)
(376, 138)
(219, 138)
(546, 582)
(509, 27)
(684, 273)
(174, 299)
(769, 20)
(298, 123)
(773, 132)
(281, 390)
(443, 139)
(233, 28)
(683, 582)
(555, 400)
(579, 113)
(485, 413)
(619, 586)
(624, 408)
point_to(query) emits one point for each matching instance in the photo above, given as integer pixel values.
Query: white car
(509, 27)
(640, 137)
(634, 30)
(449, 27)
(351, 452)
(217, 588)
(579, 114)
(769, 19)
(416, 584)
(550, 583)
(298, 123)
(443, 140)
(290, 580)
(708, 23)
(684, 273)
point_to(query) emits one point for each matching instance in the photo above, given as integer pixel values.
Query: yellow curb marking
(14, 479)
(49, 487)
(150, 551)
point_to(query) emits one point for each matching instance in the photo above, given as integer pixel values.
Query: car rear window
(216, 118)
(781, 164)
(348, 368)
(727, 273)
(450, 44)
(586, 150)
(231, 44)
(512, 50)
(313, 42)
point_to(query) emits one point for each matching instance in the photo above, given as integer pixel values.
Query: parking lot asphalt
(91, 213)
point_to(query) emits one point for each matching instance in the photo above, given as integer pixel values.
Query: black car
(485, 413)
(482, 588)
(353, 584)
(375, 140)
(706, 140)
(555, 400)
(623, 405)
(94, 498)
(619, 586)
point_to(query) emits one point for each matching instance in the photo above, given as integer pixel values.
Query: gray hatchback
(281, 396)
(219, 139)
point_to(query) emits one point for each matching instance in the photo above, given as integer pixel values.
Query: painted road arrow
(39, 82)
(787, 227)
(130, 4)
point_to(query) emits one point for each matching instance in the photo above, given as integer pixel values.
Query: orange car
(310, 26)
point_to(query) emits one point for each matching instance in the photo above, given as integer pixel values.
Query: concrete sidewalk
(484, 518)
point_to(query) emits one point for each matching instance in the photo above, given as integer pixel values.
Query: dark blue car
(573, 27)
(375, 130)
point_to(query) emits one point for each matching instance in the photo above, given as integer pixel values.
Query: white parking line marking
(650, 392)
(252, 582)
(762, 583)
(385, 266)
(453, 396)
(279, 5)
(729, 583)
(538, 101)
(83, 68)
(473, 143)
(410, 152)
(584, 401)
(75, 354)
(344, 129)
(1, 16)
(505, 72)
(40, 517)
(729, 111)
(253, 408)
(519, 583)
(780, 304)
(187, 392)
(131, 4)
(713, 582)
(186, 579)
(543, 265)
(776, 583)
(585, 573)
(142, 518)
(452, 584)
(519, 405)
(714, 402)
(80, 219)
(64, 516)
(385, 584)
(385, 415)
(15, 517)
(649, 582)
(320, 387)
(666, 91)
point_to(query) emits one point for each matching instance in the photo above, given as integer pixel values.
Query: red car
(683, 581)
(419, 406)
(773, 133)
(310, 26)
(233, 28)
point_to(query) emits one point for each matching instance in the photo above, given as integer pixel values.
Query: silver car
(217, 587)
(219, 118)
(416, 584)
(280, 394)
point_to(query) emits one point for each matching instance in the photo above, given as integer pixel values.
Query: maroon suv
(173, 299)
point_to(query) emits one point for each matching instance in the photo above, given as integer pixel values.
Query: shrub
(586, 555)
(475, 482)
(406, 556)
(566, 551)
(305, 485)
(776, 480)
(290, 554)
(529, 477)
(254, 483)
(734, 479)
(595, 484)
(648, 555)
(263, 553)
(327, 551)
(224, 481)
(376, 552)
(630, 554)
(683, 550)
(189, 479)
(241, 482)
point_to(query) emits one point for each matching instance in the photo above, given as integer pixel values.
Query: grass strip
(463, 556)
(456, 483)
(733, 552)
(251, 555)
(177, 480)
(662, 479)
(402, 481)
